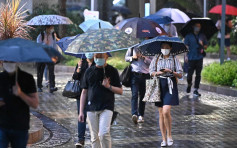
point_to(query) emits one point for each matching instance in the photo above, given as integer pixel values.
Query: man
(100, 83)
(49, 38)
(196, 43)
(140, 72)
(16, 96)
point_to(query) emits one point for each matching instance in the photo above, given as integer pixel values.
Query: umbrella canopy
(159, 19)
(153, 46)
(22, 50)
(95, 24)
(42, 20)
(101, 41)
(230, 10)
(208, 27)
(122, 10)
(140, 27)
(175, 14)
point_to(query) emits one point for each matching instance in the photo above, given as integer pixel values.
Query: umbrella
(101, 41)
(153, 46)
(22, 50)
(41, 20)
(95, 24)
(208, 27)
(140, 27)
(159, 19)
(230, 10)
(120, 9)
(64, 43)
(175, 14)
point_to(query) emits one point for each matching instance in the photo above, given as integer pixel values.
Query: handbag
(72, 89)
(153, 89)
(125, 76)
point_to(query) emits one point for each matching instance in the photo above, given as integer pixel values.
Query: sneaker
(134, 119)
(188, 89)
(170, 141)
(140, 119)
(163, 144)
(39, 90)
(228, 59)
(80, 144)
(52, 89)
(196, 93)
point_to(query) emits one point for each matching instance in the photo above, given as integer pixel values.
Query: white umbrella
(42, 20)
(95, 24)
(175, 14)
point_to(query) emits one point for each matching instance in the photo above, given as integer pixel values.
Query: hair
(227, 20)
(169, 43)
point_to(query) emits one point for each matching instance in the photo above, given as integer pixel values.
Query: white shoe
(163, 144)
(134, 119)
(170, 142)
(228, 59)
(140, 119)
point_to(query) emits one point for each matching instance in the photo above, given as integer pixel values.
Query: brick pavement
(210, 121)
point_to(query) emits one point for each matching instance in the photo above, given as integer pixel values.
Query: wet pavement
(206, 122)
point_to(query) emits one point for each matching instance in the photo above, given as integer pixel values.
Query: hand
(201, 42)
(106, 83)
(159, 73)
(186, 59)
(81, 117)
(135, 57)
(2, 103)
(167, 70)
(79, 63)
(17, 90)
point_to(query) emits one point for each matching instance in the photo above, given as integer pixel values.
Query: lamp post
(205, 8)
(222, 54)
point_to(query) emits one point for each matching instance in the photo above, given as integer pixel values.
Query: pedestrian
(196, 42)
(47, 37)
(80, 70)
(171, 30)
(100, 83)
(16, 98)
(168, 69)
(140, 72)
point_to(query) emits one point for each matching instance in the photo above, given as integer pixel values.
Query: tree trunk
(62, 12)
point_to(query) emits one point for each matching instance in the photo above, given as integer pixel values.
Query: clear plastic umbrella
(175, 14)
(94, 24)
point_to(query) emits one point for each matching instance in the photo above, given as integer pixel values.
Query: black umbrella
(208, 27)
(122, 10)
(140, 27)
(153, 46)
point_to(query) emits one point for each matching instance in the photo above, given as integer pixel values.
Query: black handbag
(72, 89)
(125, 76)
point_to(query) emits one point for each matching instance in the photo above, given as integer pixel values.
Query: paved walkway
(210, 121)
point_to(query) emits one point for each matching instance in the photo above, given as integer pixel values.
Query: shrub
(225, 74)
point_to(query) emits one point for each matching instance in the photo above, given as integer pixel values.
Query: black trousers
(40, 72)
(194, 65)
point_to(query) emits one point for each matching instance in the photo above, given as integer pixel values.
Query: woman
(168, 69)
(81, 68)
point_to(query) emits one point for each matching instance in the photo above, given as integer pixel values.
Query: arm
(77, 72)
(128, 57)
(153, 69)
(31, 100)
(116, 90)
(39, 39)
(82, 105)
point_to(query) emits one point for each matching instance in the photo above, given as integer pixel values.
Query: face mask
(165, 51)
(99, 61)
(89, 55)
(196, 29)
(9, 67)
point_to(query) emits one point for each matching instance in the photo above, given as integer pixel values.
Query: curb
(211, 88)
(216, 56)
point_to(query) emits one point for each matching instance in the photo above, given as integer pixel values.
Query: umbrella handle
(99, 25)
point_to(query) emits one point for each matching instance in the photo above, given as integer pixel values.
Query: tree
(63, 12)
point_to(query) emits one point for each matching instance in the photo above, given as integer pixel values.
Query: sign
(91, 14)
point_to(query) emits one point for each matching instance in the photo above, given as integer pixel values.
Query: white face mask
(165, 51)
(9, 67)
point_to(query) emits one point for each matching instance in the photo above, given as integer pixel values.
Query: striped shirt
(166, 63)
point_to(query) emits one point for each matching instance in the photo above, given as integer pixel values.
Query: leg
(18, 138)
(46, 73)
(81, 125)
(191, 68)
(104, 129)
(228, 52)
(167, 119)
(4, 141)
(40, 71)
(134, 101)
(199, 66)
(162, 124)
(51, 75)
(142, 91)
(93, 122)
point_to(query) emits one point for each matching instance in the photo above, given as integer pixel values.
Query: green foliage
(215, 49)
(225, 74)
